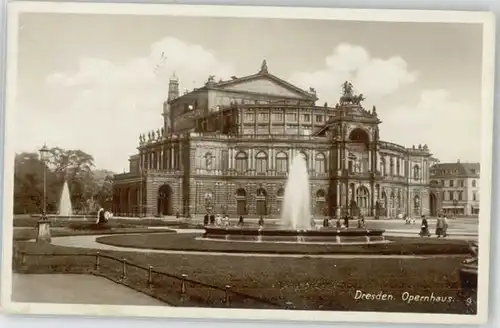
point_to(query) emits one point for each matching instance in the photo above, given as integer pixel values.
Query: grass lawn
(28, 234)
(29, 221)
(399, 245)
(309, 283)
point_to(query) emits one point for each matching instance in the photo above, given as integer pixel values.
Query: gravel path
(75, 289)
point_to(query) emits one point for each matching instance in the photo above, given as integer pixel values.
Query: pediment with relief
(264, 85)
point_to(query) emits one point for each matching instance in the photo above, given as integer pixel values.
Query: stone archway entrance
(433, 206)
(363, 200)
(261, 202)
(164, 206)
(241, 201)
(383, 205)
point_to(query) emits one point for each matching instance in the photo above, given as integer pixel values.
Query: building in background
(457, 187)
(226, 147)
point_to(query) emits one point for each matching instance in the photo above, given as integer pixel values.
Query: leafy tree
(28, 185)
(88, 188)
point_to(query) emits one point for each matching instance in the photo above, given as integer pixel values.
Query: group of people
(441, 227)
(103, 216)
(408, 219)
(343, 223)
(218, 220)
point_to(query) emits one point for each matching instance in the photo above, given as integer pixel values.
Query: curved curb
(89, 242)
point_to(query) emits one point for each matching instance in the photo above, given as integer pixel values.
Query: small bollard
(183, 283)
(289, 305)
(227, 300)
(124, 269)
(150, 276)
(97, 261)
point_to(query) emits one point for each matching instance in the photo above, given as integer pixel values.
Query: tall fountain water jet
(65, 207)
(296, 211)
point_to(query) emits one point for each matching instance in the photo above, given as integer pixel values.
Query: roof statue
(356, 100)
(263, 67)
(347, 89)
(348, 96)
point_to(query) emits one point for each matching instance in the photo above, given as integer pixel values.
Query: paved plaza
(75, 289)
(459, 228)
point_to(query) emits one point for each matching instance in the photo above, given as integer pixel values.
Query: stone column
(231, 159)
(312, 159)
(172, 155)
(181, 162)
(272, 157)
(339, 199)
(370, 160)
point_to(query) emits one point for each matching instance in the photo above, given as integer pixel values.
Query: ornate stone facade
(227, 147)
(455, 187)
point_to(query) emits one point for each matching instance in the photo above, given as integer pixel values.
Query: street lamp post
(44, 152)
(43, 225)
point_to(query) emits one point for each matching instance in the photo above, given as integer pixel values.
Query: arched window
(474, 183)
(281, 163)
(321, 194)
(261, 163)
(241, 162)
(416, 201)
(242, 193)
(362, 197)
(416, 172)
(208, 160)
(320, 164)
(382, 166)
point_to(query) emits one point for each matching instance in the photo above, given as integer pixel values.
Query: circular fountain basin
(277, 235)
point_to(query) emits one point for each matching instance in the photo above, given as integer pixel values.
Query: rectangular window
(291, 117)
(462, 183)
(278, 117)
(263, 117)
(450, 195)
(474, 196)
(460, 195)
(451, 183)
(307, 118)
(249, 117)
(305, 132)
(319, 118)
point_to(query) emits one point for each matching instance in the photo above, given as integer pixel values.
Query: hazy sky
(89, 81)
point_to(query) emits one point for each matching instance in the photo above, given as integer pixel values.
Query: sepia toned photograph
(216, 162)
